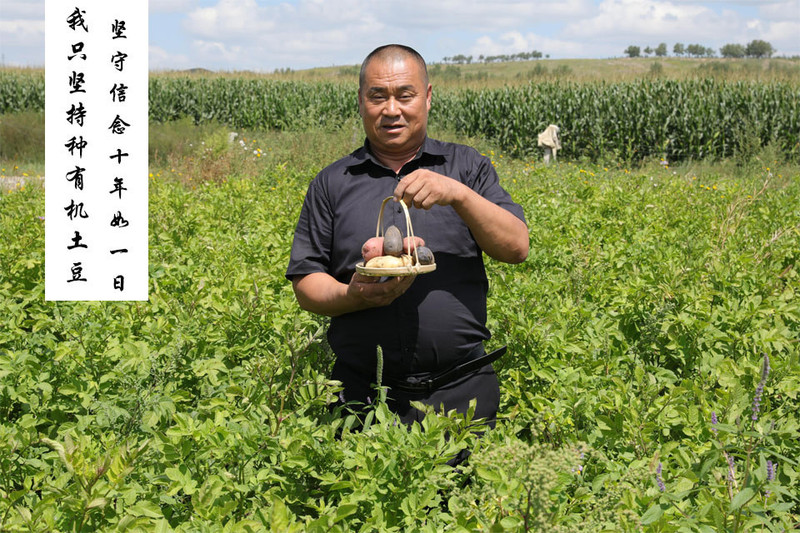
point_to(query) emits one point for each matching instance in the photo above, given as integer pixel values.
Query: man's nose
(391, 108)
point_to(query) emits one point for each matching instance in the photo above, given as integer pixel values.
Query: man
(427, 325)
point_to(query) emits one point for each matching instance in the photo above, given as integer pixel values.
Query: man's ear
(428, 96)
(360, 107)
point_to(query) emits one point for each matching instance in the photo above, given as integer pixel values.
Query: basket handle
(409, 228)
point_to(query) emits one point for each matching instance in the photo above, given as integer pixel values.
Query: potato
(425, 255)
(392, 241)
(372, 248)
(385, 261)
(408, 246)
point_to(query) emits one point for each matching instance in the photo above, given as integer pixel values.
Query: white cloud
(479, 15)
(237, 19)
(170, 6)
(22, 9)
(218, 51)
(652, 21)
(724, 2)
(246, 19)
(23, 33)
(619, 23)
(160, 59)
(314, 32)
(783, 37)
(268, 34)
(788, 10)
(515, 42)
(310, 33)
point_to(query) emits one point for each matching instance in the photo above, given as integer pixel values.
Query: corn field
(677, 120)
(673, 119)
(21, 91)
(254, 103)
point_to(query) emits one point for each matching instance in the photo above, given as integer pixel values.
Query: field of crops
(632, 121)
(653, 371)
(635, 394)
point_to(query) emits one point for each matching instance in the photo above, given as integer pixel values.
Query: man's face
(394, 104)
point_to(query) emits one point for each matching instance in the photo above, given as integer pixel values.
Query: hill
(579, 70)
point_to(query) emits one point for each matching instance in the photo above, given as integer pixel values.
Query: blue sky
(263, 35)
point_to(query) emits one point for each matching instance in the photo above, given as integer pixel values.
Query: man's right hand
(322, 294)
(377, 294)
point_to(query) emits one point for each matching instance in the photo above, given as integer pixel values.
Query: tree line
(756, 48)
(461, 59)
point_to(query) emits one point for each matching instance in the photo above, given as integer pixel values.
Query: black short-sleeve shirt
(442, 316)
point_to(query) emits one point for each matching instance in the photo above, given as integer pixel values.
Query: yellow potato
(385, 261)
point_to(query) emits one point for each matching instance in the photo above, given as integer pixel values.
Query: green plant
(22, 136)
(681, 120)
(645, 305)
(516, 486)
(737, 483)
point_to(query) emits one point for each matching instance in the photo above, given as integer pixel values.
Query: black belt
(429, 382)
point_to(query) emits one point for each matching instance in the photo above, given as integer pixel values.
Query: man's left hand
(423, 189)
(497, 231)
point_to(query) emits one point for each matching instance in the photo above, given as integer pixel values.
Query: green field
(632, 121)
(494, 75)
(634, 397)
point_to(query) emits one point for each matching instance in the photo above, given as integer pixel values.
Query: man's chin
(391, 144)
(393, 137)
(396, 144)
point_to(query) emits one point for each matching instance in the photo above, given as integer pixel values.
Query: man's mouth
(392, 127)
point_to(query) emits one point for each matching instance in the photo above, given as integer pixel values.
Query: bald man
(431, 327)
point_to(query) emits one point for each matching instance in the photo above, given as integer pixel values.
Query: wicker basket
(410, 270)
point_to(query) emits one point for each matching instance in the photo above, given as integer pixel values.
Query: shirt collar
(430, 147)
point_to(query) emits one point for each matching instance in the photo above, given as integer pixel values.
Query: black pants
(481, 385)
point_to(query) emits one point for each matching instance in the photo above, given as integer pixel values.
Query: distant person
(429, 326)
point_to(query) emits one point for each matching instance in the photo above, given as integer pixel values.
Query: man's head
(392, 52)
(394, 97)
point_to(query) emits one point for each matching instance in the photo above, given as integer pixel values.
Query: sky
(264, 35)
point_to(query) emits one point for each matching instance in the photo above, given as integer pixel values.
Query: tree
(696, 50)
(661, 50)
(678, 49)
(648, 51)
(759, 48)
(633, 51)
(732, 50)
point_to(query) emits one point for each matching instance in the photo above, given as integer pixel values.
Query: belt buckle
(425, 384)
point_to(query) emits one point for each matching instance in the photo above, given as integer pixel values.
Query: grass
(493, 75)
(22, 144)
(479, 75)
(645, 305)
(205, 152)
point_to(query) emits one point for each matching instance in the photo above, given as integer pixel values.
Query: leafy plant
(647, 302)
